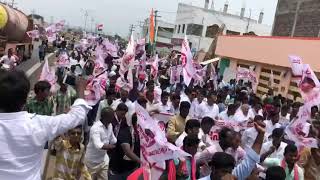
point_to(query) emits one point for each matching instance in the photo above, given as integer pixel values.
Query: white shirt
(166, 108)
(284, 120)
(254, 113)
(270, 127)
(179, 141)
(99, 136)
(152, 106)
(210, 111)
(224, 116)
(248, 137)
(278, 153)
(8, 61)
(103, 104)
(131, 108)
(23, 136)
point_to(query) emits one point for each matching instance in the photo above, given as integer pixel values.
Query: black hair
(175, 96)
(316, 107)
(185, 104)
(223, 132)
(222, 160)
(122, 107)
(164, 94)
(110, 92)
(188, 91)
(14, 89)
(290, 148)
(258, 118)
(275, 173)
(134, 119)
(106, 112)
(191, 140)
(278, 132)
(190, 124)
(41, 86)
(149, 93)
(207, 120)
(142, 100)
(151, 82)
(296, 104)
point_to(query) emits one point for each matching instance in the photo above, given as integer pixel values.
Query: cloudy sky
(117, 15)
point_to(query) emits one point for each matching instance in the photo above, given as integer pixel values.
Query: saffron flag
(187, 62)
(151, 27)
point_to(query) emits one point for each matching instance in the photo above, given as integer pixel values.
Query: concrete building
(297, 18)
(266, 54)
(163, 34)
(201, 25)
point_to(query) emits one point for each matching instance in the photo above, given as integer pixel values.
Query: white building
(201, 25)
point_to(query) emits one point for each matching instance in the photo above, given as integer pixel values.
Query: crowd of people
(101, 141)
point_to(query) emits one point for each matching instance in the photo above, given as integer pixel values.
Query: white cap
(113, 68)
(112, 73)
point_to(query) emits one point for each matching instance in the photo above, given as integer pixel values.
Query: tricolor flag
(151, 27)
(100, 27)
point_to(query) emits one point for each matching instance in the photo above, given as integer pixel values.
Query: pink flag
(128, 56)
(59, 26)
(154, 66)
(155, 149)
(51, 33)
(187, 62)
(33, 34)
(48, 74)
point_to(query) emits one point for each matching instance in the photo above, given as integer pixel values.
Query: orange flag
(151, 27)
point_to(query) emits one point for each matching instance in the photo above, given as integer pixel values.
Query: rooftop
(269, 49)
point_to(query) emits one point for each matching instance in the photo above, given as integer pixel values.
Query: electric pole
(155, 30)
(131, 29)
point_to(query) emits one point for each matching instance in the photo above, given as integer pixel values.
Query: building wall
(188, 15)
(282, 84)
(308, 21)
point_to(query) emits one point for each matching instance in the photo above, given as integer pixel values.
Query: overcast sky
(117, 15)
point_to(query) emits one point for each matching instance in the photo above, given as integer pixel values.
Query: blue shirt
(244, 169)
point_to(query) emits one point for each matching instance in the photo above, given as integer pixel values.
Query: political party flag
(155, 149)
(100, 27)
(151, 27)
(60, 25)
(187, 62)
(33, 34)
(48, 74)
(127, 57)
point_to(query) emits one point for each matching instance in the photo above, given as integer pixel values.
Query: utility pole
(156, 29)
(247, 29)
(92, 21)
(131, 29)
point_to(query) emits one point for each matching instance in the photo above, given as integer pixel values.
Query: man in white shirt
(8, 60)
(101, 140)
(229, 113)
(152, 105)
(274, 148)
(192, 128)
(209, 108)
(272, 123)
(250, 134)
(23, 135)
(284, 116)
(107, 102)
(124, 99)
(243, 114)
(165, 106)
(175, 103)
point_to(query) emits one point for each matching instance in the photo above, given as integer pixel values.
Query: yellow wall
(282, 78)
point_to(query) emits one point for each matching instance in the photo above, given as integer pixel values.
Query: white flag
(187, 62)
(154, 66)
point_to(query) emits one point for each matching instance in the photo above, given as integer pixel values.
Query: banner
(155, 149)
(175, 72)
(33, 34)
(48, 74)
(310, 92)
(187, 62)
(244, 73)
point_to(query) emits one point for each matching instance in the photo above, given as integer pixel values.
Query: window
(212, 31)
(232, 32)
(194, 29)
(179, 29)
(183, 28)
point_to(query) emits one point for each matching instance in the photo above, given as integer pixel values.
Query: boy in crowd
(70, 155)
